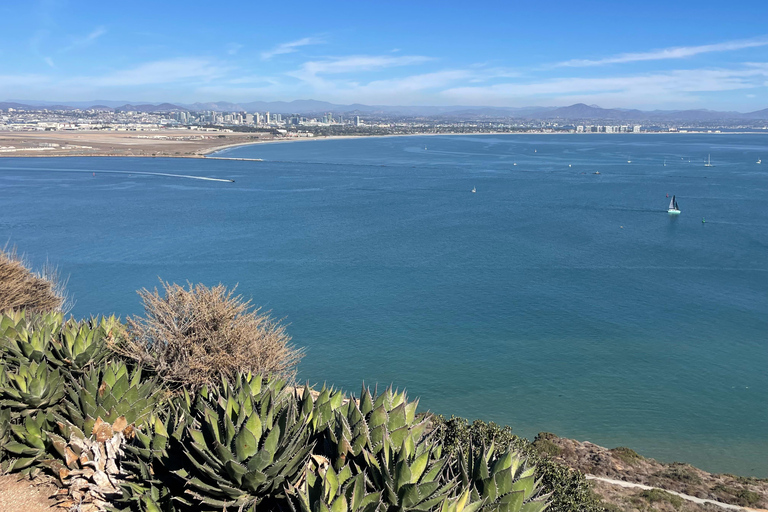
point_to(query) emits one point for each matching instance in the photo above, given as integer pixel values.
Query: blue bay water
(553, 299)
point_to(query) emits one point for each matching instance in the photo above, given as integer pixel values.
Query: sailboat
(673, 209)
(709, 162)
(474, 190)
(759, 161)
(665, 162)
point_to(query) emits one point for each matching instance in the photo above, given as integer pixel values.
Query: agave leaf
(534, 506)
(246, 443)
(524, 484)
(236, 470)
(511, 501)
(270, 443)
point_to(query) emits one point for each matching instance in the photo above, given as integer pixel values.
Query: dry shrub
(20, 288)
(191, 337)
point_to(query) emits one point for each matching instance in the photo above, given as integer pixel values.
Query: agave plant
(29, 444)
(80, 345)
(363, 430)
(26, 337)
(382, 439)
(325, 490)
(247, 443)
(105, 406)
(501, 480)
(31, 388)
(109, 392)
(72, 345)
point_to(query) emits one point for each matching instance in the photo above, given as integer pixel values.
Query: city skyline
(649, 55)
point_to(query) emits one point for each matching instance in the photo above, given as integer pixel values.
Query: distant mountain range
(574, 113)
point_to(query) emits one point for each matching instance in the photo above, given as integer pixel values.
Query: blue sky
(631, 54)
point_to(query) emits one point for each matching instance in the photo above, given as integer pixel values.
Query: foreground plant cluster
(189, 408)
(117, 438)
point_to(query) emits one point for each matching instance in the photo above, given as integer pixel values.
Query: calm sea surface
(553, 299)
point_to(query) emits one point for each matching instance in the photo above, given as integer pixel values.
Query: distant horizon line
(103, 102)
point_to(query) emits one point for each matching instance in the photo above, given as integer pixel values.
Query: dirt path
(694, 499)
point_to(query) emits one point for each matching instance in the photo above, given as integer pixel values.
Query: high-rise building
(266, 118)
(357, 121)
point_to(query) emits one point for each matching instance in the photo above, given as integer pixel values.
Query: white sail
(672, 204)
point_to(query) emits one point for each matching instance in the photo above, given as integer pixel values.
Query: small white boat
(474, 190)
(709, 162)
(759, 161)
(673, 209)
(665, 162)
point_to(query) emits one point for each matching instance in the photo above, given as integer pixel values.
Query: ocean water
(552, 299)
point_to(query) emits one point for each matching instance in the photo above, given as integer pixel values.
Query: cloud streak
(678, 85)
(85, 41)
(679, 52)
(290, 47)
(158, 72)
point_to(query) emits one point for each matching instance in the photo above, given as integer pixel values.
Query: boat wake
(102, 171)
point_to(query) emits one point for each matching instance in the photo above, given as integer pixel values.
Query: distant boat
(665, 162)
(709, 162)
(569, 165)
(425, 148)
(516, 163)
(629, 161)
(673, 209)
(759, 161)
(596, 172)
(474, 190)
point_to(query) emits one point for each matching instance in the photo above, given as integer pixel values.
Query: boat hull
(673, 212)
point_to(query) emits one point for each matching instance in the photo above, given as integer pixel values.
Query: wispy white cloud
(49, 61)
(233, 48)
(81, 42)
(678, 52)
(290, 47)
(159, 72)
(313, 72)
(678, 85)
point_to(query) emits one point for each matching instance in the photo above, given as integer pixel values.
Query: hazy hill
(163, 107)
(579, 112)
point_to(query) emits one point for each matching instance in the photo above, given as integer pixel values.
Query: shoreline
(210, 152)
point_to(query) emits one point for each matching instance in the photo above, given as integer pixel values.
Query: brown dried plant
(191, 336)
(20, 288)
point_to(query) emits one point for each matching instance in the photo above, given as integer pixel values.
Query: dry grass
(192, 336)
(20, 288)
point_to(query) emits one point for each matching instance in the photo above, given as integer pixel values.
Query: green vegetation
(741, 497)
(657, 495)
(682, 473)
(627, 455)
(544, 444)
(569, 489)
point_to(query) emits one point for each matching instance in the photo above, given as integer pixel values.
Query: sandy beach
(167, 143)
